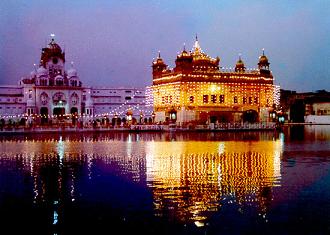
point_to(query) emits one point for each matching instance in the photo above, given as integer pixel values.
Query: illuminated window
(191, 99)
(244, 100)
(222, 99)
(214, 98)
(256, 100)
(235, 100)
(205, 98)
(250, 100)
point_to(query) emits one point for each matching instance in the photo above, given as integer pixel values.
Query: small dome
(240, 65)
(41, 71)
(263, 59)
(72, 72)
(184, 53)
(33, 74)
(159, 59)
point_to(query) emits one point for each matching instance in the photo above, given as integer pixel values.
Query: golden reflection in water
(189, 179)
(192, 179)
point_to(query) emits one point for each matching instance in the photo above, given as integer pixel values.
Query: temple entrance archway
(59, 112)
(250, 116)
(74, 115)
(44, 115)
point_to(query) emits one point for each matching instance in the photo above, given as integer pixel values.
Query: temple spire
(197, 47)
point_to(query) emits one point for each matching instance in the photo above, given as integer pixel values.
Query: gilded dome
(263, 59)
(159, 59)
(239, 65)
(184, 53)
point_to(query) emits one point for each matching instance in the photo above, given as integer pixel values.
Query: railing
(237, 126)
(149, 127)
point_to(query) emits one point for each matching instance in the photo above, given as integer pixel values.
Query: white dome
(72, 73)
(41, 71)
(33, 74)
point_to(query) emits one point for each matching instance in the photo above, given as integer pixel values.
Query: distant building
(51, 92)
(310, 107)
(197, 89)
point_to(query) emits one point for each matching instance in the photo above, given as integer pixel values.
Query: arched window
(59, 81)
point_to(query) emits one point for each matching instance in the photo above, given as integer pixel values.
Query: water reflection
(192, 179)
(190, 176)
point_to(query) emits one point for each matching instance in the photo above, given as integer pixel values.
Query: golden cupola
(239, 67)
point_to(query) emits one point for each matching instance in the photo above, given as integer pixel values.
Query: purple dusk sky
(113, 43)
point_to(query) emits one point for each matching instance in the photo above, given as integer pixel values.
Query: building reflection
(189, 180)
(192, 179)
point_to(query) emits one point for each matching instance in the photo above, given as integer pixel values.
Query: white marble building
(51, 92)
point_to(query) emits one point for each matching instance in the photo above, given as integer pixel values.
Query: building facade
(52, 93)
(309, 107)
(197, 89)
